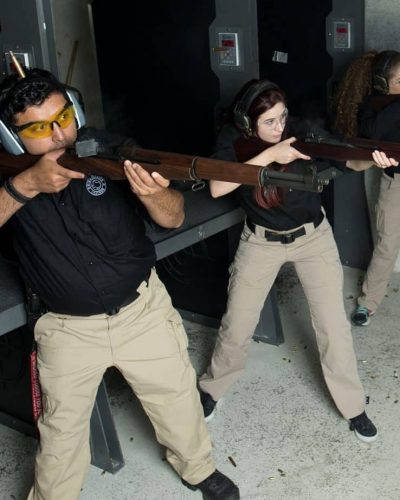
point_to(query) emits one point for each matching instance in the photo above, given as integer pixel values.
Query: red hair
(265, 196)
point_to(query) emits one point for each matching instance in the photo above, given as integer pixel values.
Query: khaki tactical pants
(253, 273)
(147, 343)
(387, 246)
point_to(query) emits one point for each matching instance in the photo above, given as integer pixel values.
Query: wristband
(16, 195)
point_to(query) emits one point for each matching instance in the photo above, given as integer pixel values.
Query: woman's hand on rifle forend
(282, 153)
(46, 176)
(142, 183)
(382, 161)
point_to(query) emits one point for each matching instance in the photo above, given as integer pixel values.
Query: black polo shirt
(298, 207)
(382, 125)
(84, 250)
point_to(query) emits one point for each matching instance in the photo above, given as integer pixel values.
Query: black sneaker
(363, 428)
(361, 316)
(216, 487)
(209, 405)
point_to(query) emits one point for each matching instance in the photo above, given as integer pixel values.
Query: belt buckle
(287, 238)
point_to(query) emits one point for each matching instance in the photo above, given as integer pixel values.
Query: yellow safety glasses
(40, 130)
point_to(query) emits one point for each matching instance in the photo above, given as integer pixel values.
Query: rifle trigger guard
(198, 183)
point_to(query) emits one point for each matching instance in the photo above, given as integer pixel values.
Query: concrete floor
(278, 423)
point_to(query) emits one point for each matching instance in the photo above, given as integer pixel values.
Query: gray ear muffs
(241, 118)
(379, 79)
(10, 140)
(79, 114)
(13, 144)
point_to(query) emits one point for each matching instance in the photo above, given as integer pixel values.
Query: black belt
(286, 237)
(115, 310)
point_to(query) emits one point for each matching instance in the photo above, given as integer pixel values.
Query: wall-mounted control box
(228, 50)
(341, 35)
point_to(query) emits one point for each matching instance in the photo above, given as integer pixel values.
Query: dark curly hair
(17, 94)
(354, 86)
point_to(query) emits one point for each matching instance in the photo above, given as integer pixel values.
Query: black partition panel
(158, 86)
(296, 29)
(155, 74)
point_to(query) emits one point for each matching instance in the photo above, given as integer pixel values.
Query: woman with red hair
(282, 225)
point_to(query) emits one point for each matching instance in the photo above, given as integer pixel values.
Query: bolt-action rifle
(350, 149)
(92, 158)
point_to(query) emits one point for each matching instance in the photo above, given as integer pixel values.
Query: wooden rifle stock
(351, 149)
(172, 166)
(88, 158)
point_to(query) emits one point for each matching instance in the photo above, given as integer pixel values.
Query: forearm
(263, 159)
(8, 206)
(22, 186)
(221, 188)
(359, 165)
(166, 208)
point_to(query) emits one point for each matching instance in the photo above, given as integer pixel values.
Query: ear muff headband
(241, 118)
(13, 144)
(379, 80)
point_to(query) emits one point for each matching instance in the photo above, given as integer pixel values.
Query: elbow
(214, 191)
(178, 222)
(174, 221)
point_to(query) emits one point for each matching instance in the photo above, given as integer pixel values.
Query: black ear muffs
(380, 84)
(241, 118)
(380, 70)
(13, 144)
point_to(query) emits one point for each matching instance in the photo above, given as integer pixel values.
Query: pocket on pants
(177, 331)
(45, 335)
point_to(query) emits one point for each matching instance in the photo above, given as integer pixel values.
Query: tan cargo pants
(253, 273)
(146, 341)
(387, 246)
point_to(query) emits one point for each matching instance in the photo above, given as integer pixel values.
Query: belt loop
(250, 225)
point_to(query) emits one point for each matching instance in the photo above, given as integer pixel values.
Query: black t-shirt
(298, 207)
(84, 249)
(382, 125)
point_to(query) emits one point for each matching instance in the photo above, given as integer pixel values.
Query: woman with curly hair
(356, 84)
(370, 115)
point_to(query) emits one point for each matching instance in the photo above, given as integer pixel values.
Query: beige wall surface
(73, 28)
(382, 20)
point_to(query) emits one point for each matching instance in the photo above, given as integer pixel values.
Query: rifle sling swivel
(198, 183)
